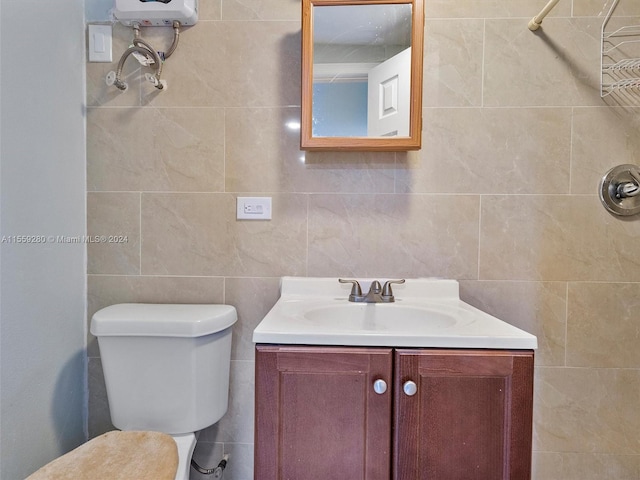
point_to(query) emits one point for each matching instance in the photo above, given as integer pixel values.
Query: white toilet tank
(166, 366)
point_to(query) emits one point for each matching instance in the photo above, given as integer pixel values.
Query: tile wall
(502, 196)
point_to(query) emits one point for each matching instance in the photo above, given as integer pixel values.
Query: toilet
(166, 368)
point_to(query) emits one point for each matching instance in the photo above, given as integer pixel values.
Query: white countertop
(426, 313)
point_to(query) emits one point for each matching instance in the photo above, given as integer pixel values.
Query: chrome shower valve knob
(620, 190)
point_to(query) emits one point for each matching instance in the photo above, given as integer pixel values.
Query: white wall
(42, 192)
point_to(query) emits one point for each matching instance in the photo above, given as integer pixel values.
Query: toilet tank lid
(162, 320)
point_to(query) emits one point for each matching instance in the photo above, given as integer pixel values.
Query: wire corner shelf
(620, 58)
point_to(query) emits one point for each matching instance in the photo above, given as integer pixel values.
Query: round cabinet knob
(379, 386)
(410, 388)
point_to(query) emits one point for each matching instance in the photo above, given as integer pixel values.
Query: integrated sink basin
(378, 317)
(426, 313)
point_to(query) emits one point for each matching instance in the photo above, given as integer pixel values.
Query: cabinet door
(318, 416)
(470, 418)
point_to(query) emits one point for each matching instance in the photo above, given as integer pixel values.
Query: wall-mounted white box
(253, 208)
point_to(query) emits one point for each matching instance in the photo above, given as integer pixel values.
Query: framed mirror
(362, 75)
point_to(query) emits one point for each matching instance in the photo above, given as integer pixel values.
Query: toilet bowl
(166, 368)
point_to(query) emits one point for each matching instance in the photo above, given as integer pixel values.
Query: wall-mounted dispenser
(151, 13)
(156, 13)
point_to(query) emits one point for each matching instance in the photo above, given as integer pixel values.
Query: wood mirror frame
(411, 142)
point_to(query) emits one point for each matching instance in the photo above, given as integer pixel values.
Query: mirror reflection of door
(354, 46)
(389, 97)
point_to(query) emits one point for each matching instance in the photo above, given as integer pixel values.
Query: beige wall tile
(263, 155)
(555, 237)
(113, 220)
(490, 8)
(232, 64)
(452, 63)
(262, 150)
(536, 307)
(253, 298)
(581, 466)
(105, 290)
(237, 424)
(198, 234)
(186, 234)
(357, 172)
(558, 66)
(602, 138)
(581, 410)
(157, 149)
(512, 150)
(209, 10)
(602, 325)
(393, 235)
(261, 10)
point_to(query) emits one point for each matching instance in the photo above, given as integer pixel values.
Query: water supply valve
(620, 190)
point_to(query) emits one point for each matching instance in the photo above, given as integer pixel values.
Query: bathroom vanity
(427, 387)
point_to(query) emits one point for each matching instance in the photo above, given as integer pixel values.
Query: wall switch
(253, 208)
(100, 43)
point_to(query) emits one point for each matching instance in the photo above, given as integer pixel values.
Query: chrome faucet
(376, 294)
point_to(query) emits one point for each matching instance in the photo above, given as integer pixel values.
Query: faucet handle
(386, 290)
(356, 291)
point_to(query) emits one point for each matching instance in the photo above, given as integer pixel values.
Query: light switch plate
(100, 43)
(253, 208)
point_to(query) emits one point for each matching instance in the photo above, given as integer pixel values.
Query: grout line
(566, 323)
(415, 194)
(395, 171)
(150, 275)
(479, 233)
(224, 290)
(484, 46)
(308, 197)
(571, 124)
(140, 233)
(224, 150)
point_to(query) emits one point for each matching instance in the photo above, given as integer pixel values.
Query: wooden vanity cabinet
(471, 418)
(318, 415)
